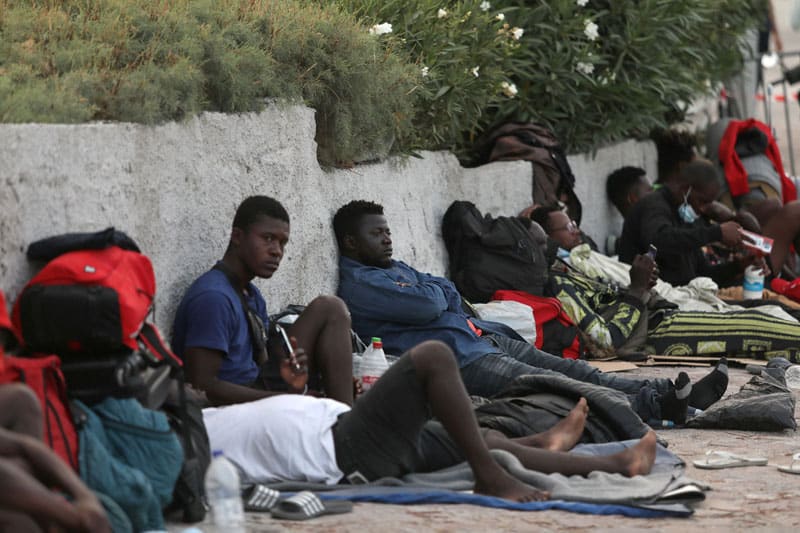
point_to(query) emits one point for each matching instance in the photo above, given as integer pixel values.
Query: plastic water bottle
(224, 494)
(792, 376)
(753, 286)
(373, 364)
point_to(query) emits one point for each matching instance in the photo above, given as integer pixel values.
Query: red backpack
(43, 375)
(92, 302)
(556, 333)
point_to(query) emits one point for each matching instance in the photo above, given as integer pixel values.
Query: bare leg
(765, 210)
(323, 331)
(17, 522)
(637, 460)
(564, 435)
(440, 379)
(784, 228)
(20, 410)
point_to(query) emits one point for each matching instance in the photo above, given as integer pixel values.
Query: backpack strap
(156, 348)
(258, 331)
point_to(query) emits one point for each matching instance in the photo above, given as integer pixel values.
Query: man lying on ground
(223, 333)
(403, 306)
(387, 434)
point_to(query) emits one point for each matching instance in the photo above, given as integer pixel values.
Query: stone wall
(174, 189)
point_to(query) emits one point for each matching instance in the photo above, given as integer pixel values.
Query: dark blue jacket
(405, 307)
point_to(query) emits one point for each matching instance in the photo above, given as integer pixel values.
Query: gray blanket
(660, 486)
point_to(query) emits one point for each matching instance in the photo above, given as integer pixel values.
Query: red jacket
(734, 170)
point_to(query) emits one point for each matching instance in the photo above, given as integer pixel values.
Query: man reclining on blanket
(387, 434)
(633, 320)
(403, 306)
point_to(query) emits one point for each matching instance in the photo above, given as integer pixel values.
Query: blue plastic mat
(411, 496)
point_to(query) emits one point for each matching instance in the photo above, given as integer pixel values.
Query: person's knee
(330, 307)
(433, 355)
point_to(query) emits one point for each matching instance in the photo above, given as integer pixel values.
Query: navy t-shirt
(211, 316)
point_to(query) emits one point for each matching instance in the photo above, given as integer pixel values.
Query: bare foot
(564, 435)
(639, 459)
(503, 485)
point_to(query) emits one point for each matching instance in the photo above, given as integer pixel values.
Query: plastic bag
(516, 315)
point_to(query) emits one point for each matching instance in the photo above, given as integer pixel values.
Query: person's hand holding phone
(644, 275)
(294, 362)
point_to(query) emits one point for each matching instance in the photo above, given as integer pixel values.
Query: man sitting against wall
(224, 335)
(403, 306)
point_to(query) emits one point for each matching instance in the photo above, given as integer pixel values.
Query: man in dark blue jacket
(402, 306)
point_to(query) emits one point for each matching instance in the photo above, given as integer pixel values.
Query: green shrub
(145, 61)
(595, 71)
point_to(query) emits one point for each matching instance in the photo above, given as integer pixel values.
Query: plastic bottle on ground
(223, 492)
(373, 364)
(792, 376)
(753, 286)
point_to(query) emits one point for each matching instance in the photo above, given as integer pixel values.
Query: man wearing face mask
(668, 219)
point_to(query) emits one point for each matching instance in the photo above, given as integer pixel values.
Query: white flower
(425, 71)
(509, 89)
(485, 6)
(500, 16)
(441, 13)
(380, 29)
(516, 33)
(582, 3)
(584, 68)
(590, 29)
(475, 70)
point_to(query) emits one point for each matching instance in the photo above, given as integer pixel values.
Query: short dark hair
(541, 215)
(620, 182)
(674, 147)
(700, 174)
(254, 207)
(347, 218)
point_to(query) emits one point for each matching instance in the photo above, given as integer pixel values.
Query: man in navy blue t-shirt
(222, 330)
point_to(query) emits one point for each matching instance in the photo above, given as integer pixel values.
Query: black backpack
(489, 254)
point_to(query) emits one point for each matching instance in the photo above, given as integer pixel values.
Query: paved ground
(742, 498)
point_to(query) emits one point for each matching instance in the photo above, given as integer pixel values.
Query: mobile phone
(652, 251)
(287, 345)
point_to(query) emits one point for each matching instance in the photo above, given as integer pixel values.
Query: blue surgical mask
(686, 211)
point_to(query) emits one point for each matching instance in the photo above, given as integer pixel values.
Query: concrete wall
(174, 189)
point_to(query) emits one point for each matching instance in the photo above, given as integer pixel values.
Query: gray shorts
(388, 433)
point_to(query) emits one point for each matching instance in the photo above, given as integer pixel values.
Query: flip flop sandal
(793, 468)
(260, 499)
(717, 459)
(305, 505)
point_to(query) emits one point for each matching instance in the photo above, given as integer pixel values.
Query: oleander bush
(150, 61)
(594, 70)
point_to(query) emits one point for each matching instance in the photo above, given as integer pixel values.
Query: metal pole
(786, 102)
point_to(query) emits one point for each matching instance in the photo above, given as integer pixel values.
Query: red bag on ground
(43, 375)
(556, 333)
(91, 302)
